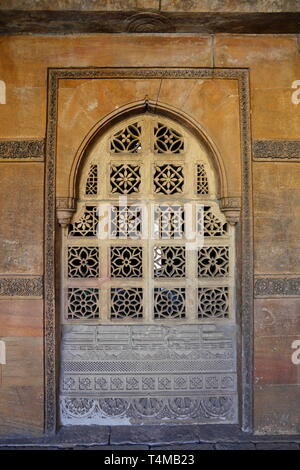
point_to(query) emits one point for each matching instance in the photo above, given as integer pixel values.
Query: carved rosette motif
(149, 22)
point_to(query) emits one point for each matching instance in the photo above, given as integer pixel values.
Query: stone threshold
(183, 437)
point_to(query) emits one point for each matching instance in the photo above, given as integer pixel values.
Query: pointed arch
(156, 108)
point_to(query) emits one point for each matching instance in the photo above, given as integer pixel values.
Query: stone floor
(128, 438)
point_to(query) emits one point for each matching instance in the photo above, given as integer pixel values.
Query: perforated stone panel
(148, 266)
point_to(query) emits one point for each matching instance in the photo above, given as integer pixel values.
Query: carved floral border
(273, 150)
(21, 287)
(54, 75)
(287, 286)
(22, 150)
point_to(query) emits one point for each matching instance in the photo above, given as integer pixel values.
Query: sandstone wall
(274, 64)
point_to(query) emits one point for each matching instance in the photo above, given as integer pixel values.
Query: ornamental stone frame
(229, 203)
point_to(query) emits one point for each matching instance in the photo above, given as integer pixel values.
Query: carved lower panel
(210, 409)
(148, 374)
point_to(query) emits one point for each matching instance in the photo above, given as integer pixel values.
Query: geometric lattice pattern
(86, 225)
(92, 181)
(145, 338)
(167, 140)
(126, 261)
(125, 179)
(146, 219)
(202, 180)
(125, 221)
(169, 303)
(168, 179)
(213, 302)
(126, 303)
(127, 140)
(83, 261)
(169, 261)
(169, 221)
(83, 303)
(213, 261)
(209, 224)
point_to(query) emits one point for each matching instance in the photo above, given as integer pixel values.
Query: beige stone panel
(23, 115)
(80, 108)
(294, 256)
(273, 360)
(276, 257)
(274, 64)
(21, 410)
(21, 317)
(273, 60)
(270, 229)
(21, 388)
(24, 362)
(271, 258)
(229, 6)
(265, 177)
(293, 228)
(276, 317)
(276, 409)
(213, 103)
(276, 194)
(274, 116)
(21, 215)
(272, 203)
(24, 61)
(89, 5)
(289, 175)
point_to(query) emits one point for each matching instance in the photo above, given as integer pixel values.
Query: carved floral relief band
(277, 286)
(21, 287)
(276, 150)
(22, 149)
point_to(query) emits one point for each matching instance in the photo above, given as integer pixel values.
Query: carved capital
(231, 207)
(65, 208)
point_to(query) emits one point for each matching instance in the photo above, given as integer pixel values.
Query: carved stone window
(148, 242)
(148, 283)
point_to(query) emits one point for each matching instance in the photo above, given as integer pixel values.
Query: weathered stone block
(276, 409)
(22, 317)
